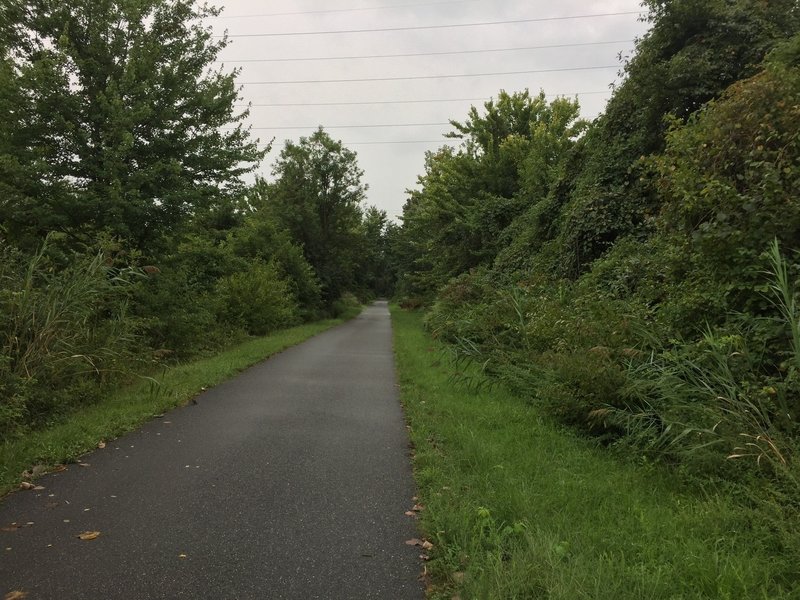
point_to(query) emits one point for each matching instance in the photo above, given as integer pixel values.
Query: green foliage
(347, 305)
(317, 197)
(117, 120)
(694, 51)
(63, 332)
(256, 299)
(511, 158)
(517, 507)
(261, 238)
(615, 276)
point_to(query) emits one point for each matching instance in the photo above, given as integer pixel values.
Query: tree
(514, 152)
(115, 119)
(316, 196)
(694, 50)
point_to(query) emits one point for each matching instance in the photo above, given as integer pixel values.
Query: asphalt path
(290, 481)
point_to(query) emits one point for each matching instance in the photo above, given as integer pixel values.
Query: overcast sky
(391, 167)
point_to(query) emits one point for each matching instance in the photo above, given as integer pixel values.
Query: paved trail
(289, 481)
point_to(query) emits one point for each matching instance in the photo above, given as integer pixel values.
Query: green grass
(517, 507)
(130, 406)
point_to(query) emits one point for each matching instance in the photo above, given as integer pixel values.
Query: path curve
(289, 481)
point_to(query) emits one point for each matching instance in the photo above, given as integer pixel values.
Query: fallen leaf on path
(414, 542)
(89, 535)
(84, 465)
(181, 556)
(418, 508)
(59, 468)
(38, 488)
(101, 445)
(424, 557)
(26, 485)
(15, 595)
(12, 527)
(426, 545)
(410, 513)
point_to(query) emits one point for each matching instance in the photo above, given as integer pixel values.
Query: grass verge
(130, 406)
(517, 507)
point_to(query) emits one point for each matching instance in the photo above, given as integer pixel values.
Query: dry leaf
(15, 595)
(409, 513)
(181, 556)
(426, 545)
(26, 485)
(84, 465)
(59, 468)
(89, 535)
(414, 542)
(12, 527)
(424, 557)
(101, 445)
(38, 488)
(418, 508)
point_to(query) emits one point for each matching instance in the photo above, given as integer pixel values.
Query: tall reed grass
(62, 329)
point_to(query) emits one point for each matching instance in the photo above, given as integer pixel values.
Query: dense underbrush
(645, 290)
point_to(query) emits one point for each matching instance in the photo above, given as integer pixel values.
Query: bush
(256, 299)
(346, 305)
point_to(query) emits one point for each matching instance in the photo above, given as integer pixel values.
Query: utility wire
(321, 58)
(354, 126)
(428, 27)
(442, 141)
(417, 77)
(379, 102)
(345, 10)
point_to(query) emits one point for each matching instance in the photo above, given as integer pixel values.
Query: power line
(380, 102)
(442, 141)
(417, 77)
(322, 58)
(345, 10)
(428, 27)
(359, 126)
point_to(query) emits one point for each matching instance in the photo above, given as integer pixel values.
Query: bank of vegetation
(130, 240)
(517, 506)
(635, 278)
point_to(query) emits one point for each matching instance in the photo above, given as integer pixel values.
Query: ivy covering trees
(635, 277)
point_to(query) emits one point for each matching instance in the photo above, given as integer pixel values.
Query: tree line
(634, 276)
(129, 235)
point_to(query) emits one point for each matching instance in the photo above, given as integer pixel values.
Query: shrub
(256, 299)
(346, 305)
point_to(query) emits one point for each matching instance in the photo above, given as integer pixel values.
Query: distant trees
(317, 196)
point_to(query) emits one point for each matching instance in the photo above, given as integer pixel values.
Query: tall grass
(734, 388)
(59, 327)
(517, 507)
